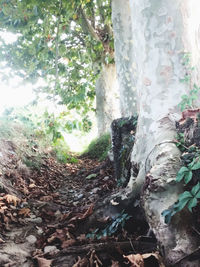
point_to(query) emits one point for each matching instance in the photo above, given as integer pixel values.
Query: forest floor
(46, 216)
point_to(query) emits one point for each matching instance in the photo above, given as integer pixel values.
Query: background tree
(64, 42)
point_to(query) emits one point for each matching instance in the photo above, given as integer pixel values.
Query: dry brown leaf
(25, 212)
(81, 262)
(81, 237)
(32, 185)
(88, 212)
(2, 209)
(42, 262)
(115, 264)
(12, 199)
(136, 260)
(68, 243)
(46, 198)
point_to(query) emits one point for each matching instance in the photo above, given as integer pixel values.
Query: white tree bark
(162, 32)
(121, 17)
(107, 98)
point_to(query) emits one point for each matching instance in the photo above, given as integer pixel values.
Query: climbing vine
(189, 175)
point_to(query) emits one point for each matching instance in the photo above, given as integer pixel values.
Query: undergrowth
(99, 148)
(188, 174)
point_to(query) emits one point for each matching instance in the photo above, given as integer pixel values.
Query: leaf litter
(45, 215)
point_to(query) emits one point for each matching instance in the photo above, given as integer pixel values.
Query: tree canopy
(63, 42)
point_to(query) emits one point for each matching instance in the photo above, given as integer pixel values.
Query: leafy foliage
(63, 42)
(98, 148)
(189, 199)
(188, 99)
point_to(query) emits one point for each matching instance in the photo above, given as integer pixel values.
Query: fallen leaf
(88, 212)
(81, 262)
(42, 262)
(12, 199)
(32, 185)
(91, 176)
(81, 237)
(46, 198)
(25, 212)
(68, 243)
(136, 260)
(115, 264)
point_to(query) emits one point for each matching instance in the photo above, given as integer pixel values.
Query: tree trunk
(161, 35)
(107, 98)
(121, 17)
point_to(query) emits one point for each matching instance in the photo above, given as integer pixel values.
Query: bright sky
(12, 95)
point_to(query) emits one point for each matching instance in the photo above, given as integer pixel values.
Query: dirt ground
(46, 216)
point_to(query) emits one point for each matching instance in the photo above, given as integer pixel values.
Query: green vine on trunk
(190, 155)
(191, 164)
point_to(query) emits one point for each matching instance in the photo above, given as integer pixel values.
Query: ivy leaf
(196, 166)
(167, 214)
(185, 195)
(195, 189)
(192, 203)
(181, 204)
(188, 177)
(181, 173)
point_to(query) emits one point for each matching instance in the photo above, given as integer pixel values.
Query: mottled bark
(162, 32)
(107, 98)
(160, 35)
(125, 65)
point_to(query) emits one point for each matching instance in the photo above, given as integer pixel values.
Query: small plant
(61, 151)
(188, 99)
(189, 199)
(112, 227)
(98, 148)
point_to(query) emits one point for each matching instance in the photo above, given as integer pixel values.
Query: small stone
(32, 216)
(95, 190)
(35, 220)
(31, 239)
(80, 196)
(106, 178)
(49, 249)
(24, 204)
(57, 213)
(40, 231)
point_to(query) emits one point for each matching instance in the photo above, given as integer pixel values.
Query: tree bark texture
(121, 16)
(107, 98)
(161, 36)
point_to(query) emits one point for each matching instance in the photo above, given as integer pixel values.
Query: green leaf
(195, 189)
(91, 176)
(196, 166)
(181, 173)
(188, 177)
(185, 195)
(167, 214)
(198, 195)
(180, 205)
(192, 203)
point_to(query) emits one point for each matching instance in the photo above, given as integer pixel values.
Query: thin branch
(57, 47)
(88, 26)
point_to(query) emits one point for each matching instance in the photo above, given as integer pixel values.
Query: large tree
(162, 33)
(67, 43)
